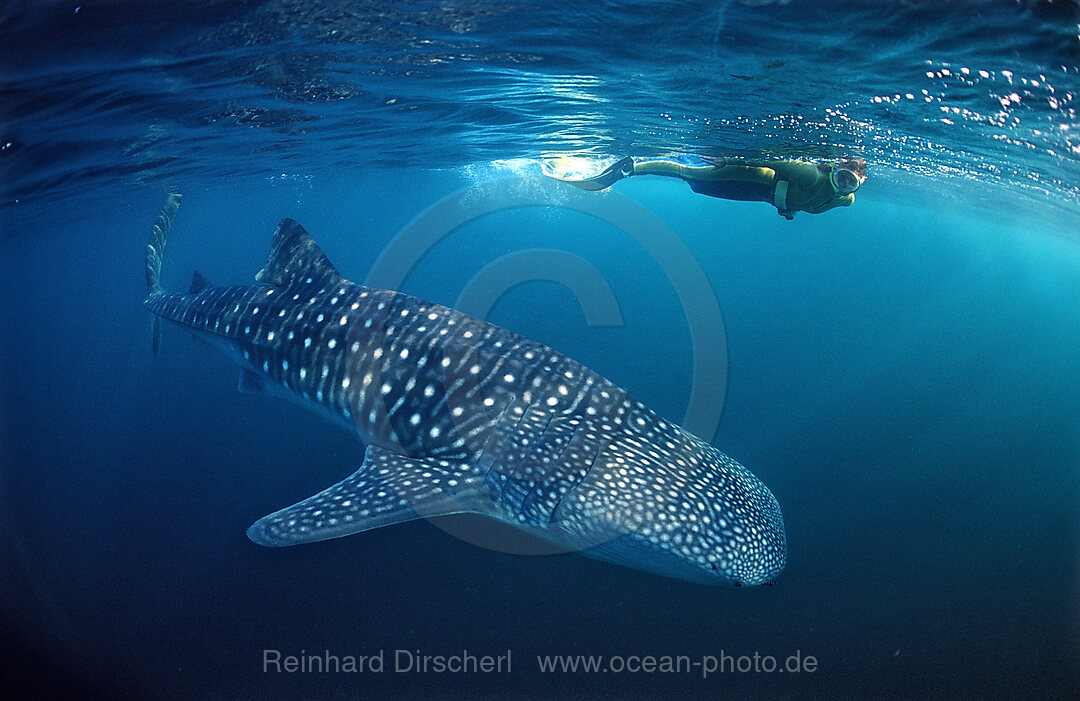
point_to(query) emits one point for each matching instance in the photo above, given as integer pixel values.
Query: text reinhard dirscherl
(402, 661)
(398, 661)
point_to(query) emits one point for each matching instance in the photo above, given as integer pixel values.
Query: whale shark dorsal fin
(199, 283)
(296, 258)
(388, 488)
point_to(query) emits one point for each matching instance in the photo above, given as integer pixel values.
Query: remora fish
(461, 416)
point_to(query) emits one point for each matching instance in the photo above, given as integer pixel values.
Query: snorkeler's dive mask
(844, 180)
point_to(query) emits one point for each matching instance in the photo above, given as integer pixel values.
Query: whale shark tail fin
(154, 249)
(156, 245)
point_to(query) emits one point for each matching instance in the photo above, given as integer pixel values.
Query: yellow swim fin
(605, 179)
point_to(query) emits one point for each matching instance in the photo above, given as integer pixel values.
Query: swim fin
(608, 177)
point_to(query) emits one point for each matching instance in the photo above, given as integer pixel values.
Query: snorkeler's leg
(685, 167)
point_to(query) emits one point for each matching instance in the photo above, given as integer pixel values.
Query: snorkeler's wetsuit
(790, 186)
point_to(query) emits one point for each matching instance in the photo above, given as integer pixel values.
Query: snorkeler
(790, 186)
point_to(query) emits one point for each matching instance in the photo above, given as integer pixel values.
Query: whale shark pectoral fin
(388, 488)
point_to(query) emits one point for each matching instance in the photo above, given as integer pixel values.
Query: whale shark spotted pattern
(461, 416)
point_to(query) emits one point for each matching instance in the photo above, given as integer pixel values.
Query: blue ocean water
(902, 373)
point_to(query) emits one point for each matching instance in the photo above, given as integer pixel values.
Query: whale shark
(458, 415)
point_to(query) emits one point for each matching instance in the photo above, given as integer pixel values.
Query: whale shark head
(686, 511)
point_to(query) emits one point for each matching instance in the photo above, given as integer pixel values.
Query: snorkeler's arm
(802, 186)
(845, 201)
